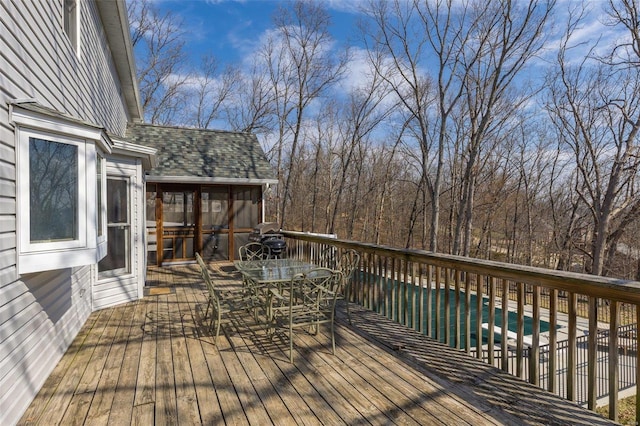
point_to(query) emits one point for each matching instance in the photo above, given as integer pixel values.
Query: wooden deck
(153, 361)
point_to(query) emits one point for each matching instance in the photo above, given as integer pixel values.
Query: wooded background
(486, 129)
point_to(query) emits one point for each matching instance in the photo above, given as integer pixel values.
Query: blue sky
(228, 29)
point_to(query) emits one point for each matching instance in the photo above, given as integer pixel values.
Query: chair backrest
(329, 257)
(319, 286)
(254, 251)
(348, 263)
(206, 277)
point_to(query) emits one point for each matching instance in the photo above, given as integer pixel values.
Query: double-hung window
(61, 193)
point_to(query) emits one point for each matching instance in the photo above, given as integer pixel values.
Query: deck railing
(572, 334)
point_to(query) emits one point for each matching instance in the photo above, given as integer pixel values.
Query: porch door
(178, 224)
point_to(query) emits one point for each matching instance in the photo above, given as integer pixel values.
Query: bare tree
(252, 106)
(596, 106)
(400, 38)
(301, 67)
(210, 91)
(160, 61)
(507, 35)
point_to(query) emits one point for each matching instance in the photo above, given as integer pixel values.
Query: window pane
(117, 206)
(118, 229)
(53, 186)
(117, 257)
(215, 208)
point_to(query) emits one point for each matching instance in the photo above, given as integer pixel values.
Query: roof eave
(212, 180)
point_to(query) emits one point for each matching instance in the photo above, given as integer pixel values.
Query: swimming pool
(413, 305)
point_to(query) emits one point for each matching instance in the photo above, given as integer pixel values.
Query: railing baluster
(614, 355)
(505, 325)
(395, 288)
(447, 306)
(520, 331)
(438, 304)
(415, 291)
(592, 353)
(491, 320)
(479, 280)
(387, 290)
(467, 312)
(458, 310)
(405, 293)
(553, 341)
(421, 297)
(429, 301)
(572, 349)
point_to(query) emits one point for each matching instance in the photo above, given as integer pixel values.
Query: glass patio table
(272, 271)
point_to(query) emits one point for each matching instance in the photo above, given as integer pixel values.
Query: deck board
(155, 361)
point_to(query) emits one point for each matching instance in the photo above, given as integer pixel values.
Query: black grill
(268, 233)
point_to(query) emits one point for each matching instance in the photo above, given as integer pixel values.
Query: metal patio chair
(348, 264)
(254, 251)
(307, 302)
(220, 303)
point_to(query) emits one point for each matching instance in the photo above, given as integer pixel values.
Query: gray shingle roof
(198, 153)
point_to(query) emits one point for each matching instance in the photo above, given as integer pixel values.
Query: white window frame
(90, 141)
(84, 164)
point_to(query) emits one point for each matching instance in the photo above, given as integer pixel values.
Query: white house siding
(125, 288)
(41, 313)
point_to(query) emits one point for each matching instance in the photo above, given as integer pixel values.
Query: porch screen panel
(177, 209)
(246, 207)
(214, 209)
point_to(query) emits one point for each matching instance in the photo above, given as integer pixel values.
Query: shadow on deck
(153, 361)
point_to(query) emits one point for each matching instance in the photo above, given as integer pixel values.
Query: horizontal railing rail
(554, 320)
